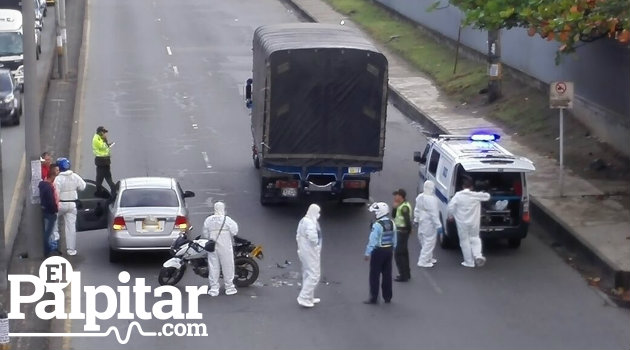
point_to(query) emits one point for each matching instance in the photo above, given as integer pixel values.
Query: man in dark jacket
(50, 207)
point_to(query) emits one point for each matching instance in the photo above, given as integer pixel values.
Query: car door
(92, 210)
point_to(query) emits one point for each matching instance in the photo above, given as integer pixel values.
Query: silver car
(147, 214)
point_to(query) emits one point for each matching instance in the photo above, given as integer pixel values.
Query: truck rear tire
(263, 200)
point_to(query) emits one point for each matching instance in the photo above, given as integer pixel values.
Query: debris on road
(286, 264)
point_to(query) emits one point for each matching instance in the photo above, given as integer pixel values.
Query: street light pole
(64, 37)
(59, 40)
(5, 254)
(32, 218)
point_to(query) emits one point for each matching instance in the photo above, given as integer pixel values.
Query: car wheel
(514, 243)
(16, 118)
(37, 51)
(114, 256)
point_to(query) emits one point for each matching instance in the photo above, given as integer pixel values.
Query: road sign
(561, 94)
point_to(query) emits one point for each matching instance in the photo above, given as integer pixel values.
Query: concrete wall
(600, 70)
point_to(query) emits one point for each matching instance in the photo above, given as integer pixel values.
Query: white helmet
(379, 209)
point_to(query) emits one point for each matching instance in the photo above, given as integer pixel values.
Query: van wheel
(446, 242)
(514, 243)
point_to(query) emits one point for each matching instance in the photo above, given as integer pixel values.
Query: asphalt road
(166, 79)
(13, 136)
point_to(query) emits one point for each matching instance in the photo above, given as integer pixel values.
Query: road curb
(75, 134)
(554, 226)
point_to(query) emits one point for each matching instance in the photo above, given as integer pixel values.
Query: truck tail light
(181, 223)
(354, 184)
(287, 184)
(119, 224)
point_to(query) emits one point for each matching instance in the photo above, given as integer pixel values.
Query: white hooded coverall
(465, 206)
(67, 184)
(309, 242)
(222, 259)
(427, 215)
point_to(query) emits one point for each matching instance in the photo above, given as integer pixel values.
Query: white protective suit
(427, 215)
(309, 242)
(465, 206)
(222, 259)
(67, 183)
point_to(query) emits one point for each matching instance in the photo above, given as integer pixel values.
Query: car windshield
(5, 83)
(148, 197)
(11, 44)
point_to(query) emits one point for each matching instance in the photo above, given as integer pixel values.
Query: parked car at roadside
(147, 214)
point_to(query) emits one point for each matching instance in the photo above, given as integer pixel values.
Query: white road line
(168, 50)
(175, 70)
(432, 282)
(205, 159)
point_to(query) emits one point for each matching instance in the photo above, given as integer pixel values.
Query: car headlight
(9, 98)
(20, 70)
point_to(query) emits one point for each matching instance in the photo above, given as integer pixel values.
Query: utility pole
(4, 258)
(64, 37)
(494, 65)
(32, 218)
(62, 49)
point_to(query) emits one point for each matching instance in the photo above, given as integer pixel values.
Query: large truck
(318, 102)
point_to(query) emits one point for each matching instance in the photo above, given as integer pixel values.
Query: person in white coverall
(67, 183)
(427, 216)
(465, 207)
(309, 242)
(220, 228)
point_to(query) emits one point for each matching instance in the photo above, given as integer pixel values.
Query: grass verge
(522, 109)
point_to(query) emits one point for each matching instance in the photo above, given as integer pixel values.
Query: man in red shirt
(46, 160)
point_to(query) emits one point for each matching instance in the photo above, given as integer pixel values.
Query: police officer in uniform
(379, 252)
(102, 160)
(402, 219)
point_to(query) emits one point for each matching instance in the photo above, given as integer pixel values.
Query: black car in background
(10, 99)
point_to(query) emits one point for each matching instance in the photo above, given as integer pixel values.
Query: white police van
(447, 159)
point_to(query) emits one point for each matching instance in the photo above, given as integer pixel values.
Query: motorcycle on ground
(187, 252)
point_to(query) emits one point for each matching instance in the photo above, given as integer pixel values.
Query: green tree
(566, 21)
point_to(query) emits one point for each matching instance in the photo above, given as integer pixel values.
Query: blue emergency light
(485, 137)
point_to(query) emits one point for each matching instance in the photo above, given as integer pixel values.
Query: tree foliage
(567, 21)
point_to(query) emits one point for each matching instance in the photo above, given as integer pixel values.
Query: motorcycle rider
(309, 242)
(220, 228)
(67, 183)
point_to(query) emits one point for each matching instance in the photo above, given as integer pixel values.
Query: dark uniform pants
(401, 254)
(103, 172)
(381, 264)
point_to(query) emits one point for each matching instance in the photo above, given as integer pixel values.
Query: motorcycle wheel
(246, 271)
(169, 276)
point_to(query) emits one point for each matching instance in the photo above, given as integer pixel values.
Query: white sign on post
(561, 94)
(561, 97)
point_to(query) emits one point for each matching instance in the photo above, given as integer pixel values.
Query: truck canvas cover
(319, 96)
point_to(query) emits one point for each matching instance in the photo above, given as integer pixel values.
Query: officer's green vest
(399, 220)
